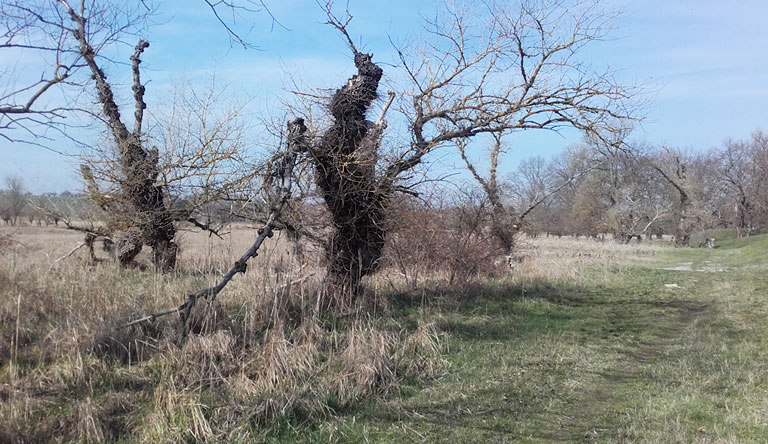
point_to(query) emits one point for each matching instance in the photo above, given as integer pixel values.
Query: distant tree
(587, 215)
(741, 165)
(642, 201)
(15, 199)
(690, 178)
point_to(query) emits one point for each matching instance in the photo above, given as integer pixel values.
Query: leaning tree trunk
(345, 161)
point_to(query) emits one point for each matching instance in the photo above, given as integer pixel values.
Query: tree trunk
(148, 199)
(743, 210)
(345, 161)
(683, 229)
(503, 227)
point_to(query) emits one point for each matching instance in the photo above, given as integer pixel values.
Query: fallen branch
(72, 251)
(153, 316)
(295, 282)
(205, 227)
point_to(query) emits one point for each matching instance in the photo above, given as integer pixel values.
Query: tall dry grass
(261, 354)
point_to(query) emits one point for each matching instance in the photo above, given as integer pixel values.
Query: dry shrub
(126, 345)
(309, 333)
(267, 357)
(282, 364)
(8, 244)
(23, 311)
(207, 358)
(448, 234)
(421, 351)
(206, 317)
(75, 372)
(241, 387)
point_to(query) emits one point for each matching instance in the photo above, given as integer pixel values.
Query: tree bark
(345, 161)
(140, 166)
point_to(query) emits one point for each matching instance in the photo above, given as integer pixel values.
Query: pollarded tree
(75, 40)
(138, 201)
(200, 164)
(481, 71)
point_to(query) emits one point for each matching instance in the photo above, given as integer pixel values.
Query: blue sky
(704, 64)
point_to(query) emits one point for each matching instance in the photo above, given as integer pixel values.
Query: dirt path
(597, 408)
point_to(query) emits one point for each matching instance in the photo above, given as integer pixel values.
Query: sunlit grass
(581, 342)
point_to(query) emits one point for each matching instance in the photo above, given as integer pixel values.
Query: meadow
(581, 342)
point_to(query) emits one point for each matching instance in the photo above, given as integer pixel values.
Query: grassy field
(583, 342)
(640, 345)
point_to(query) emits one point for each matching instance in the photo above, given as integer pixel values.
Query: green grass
(618, 358)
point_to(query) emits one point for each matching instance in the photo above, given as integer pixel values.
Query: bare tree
(140, 207)
(200, 163)
(641, 202)
(531, 185)
(741, 166)
(518, 71)
(687, 175)
(15, 199)
(462, 87)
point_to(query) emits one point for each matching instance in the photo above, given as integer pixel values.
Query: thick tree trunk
(148, 200)
(140, 166)
(504, 228)
(345, 161)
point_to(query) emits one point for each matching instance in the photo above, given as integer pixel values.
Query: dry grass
(68, 374)
(566, 259)
(580, 341)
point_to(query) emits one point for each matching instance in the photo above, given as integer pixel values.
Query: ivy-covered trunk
(345, 161)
